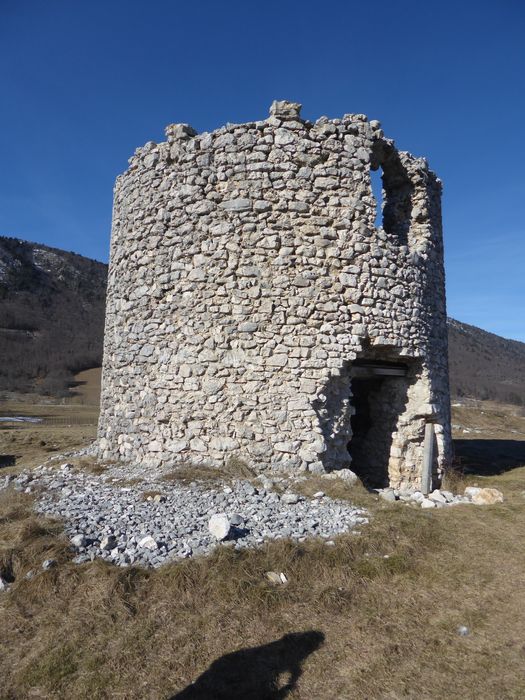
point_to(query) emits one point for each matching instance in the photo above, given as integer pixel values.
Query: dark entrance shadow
(488, 457)
(378, 403)
(257, 673)
(358, 412)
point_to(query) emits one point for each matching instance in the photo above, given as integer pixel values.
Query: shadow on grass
(489, 457)
(7, 460)
(268, 672)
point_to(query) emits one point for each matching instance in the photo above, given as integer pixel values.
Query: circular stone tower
(255, 310)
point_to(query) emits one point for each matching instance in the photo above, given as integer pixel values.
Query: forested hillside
(485, 365)
(51, 315)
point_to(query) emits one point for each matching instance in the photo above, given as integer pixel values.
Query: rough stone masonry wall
(247, 274)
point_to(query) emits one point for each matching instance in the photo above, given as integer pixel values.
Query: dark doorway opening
(379, 397)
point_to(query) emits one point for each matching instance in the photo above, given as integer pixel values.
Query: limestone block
(223, 444)
(487, 496)
(239, 204)
(281, 109)
(284, 137)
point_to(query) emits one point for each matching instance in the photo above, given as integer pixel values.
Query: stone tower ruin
(255, 311)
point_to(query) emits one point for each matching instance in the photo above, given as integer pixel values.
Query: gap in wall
(376, 180)
(379, 397)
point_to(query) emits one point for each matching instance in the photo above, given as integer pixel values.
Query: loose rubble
(125, 524)
(104, 519)
(441, 498)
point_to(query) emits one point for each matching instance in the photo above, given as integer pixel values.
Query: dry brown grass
(92, 466)
(234, 469)
(387, 602)
(25, 539)
(87, 389)
(29, 445)
(489, 418)
(338, 489)
(32, 444)
(127, 482)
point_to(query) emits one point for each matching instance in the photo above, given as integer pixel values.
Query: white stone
(471, 491)
(290, 498)
(290, 447)
(108, 542)
(283, 137)
(223, 443)
(148, 543)
(248, 327)
(219, 526)
(239, 204)
(78, 541)
(437, 496)
(282, 109)
(487, 496)
(273, 577)
(347, 475)
(177, 446)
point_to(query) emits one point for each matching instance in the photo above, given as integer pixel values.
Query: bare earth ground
(375, 616)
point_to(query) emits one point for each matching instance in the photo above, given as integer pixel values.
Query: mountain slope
(485, 365)
(51, 315)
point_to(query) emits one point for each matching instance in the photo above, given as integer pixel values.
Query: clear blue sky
(84, 82)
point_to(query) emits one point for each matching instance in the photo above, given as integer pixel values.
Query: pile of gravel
(125, 525)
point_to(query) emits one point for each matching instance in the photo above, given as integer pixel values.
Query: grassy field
(375, 616)
(65, 425)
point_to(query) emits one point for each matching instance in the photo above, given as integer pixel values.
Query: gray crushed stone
(121, 524)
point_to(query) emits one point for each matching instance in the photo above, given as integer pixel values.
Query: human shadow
(488, 457)
(7, 460)
(268, 672)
